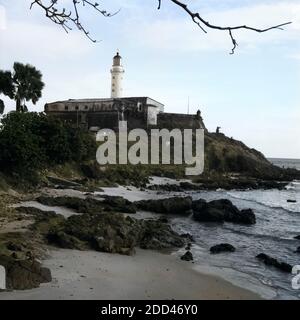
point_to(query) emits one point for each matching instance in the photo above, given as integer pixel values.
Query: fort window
(66, 108)
(86, 107)
(76, 108)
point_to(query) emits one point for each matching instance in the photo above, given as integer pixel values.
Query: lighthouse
(117, 72)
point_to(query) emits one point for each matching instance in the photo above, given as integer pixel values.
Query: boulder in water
(269, 261)
(222, 247)
(220, 211)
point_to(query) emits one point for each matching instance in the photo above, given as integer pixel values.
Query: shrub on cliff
(33, 141)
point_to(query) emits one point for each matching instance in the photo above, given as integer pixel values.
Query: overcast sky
(253, 95)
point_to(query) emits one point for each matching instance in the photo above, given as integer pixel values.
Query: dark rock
(36, 212)
(199, 205)
(163, 219)
(220, 211)
(291, 201)
(90, 204)
(188, 236)
(269, 261)
(188, 256)
(118, 204)
(87, 205)
(24, 274)
(222, 247)
(297, 237)
(175, 205)
(113, 233)
(157, 235)
(246, 216)
(63, 240)
(209, 215)
(298, 250)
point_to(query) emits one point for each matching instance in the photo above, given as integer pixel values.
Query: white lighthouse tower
(117, 72)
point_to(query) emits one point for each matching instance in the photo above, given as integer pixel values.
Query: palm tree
(24, 84)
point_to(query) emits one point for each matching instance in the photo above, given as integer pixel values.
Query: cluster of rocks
(114, 233)
(226, 183)
(226, 247)
(90, 204)
(220, 211)
(202, 211)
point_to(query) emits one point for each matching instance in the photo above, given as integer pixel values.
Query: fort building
(139, 112)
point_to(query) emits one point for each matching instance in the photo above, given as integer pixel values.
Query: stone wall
(180, 121)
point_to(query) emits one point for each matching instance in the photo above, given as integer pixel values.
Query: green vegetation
(30, 142)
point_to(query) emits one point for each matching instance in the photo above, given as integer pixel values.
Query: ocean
(286, 163)
(278, 222)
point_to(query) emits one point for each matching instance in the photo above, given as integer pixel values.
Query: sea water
(277, 223)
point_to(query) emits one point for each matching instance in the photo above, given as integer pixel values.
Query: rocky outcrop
(188, 256)
(90, 204)
(38, 213)
(220, 211)
(113, 233)
(119, 204)
(175, 205)
(24, 274)
(269, 261)
(297, 237)
(63, 183)
(222, 247)
(220, 181)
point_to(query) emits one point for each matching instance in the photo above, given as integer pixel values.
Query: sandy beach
(146, 275)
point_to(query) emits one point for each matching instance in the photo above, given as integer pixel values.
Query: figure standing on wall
(218, 130)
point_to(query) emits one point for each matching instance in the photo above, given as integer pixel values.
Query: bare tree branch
(66, 18)
(197, 18)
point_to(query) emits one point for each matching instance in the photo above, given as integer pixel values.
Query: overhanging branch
(197, 19)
